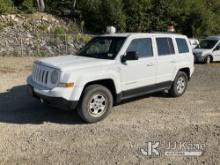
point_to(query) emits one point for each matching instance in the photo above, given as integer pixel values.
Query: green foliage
(43, 27)
(193, 18)
(59, 33)
(98, 14)
(196, 18)
(28, 6)
(60, 7)
(82, 38)
(73, 28)
(59, 30)
(6, 6)
(137, 15)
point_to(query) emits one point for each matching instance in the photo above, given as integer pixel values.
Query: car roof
(193, 39)
(214, 37)
(141, 34)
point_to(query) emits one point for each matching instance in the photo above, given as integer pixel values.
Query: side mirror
(217, 48)
(130, 56)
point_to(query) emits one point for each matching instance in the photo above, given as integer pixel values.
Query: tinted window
(165, 46)
(182, 45)
(143, 47)
(207, 44)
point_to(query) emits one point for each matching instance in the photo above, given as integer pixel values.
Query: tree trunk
(74, 4)
(41, 5)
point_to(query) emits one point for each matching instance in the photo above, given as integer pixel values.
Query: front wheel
(179, 85)
(96, 103)
(208, 60)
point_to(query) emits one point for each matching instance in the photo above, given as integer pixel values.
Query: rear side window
(165, 46)
(182, 45)
(142, 46)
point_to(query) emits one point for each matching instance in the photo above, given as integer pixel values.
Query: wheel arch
(210, 56)
(108, 83)
(185, 70)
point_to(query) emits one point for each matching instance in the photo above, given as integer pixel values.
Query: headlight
(54, 77)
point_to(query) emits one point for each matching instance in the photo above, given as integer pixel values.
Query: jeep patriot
(112, 68)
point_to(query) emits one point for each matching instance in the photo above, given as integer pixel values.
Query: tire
(208, 60)
(95, 104)
(179, 85)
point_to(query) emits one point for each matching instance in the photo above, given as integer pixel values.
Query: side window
(143, 47)
(182, 45)
(165, 46)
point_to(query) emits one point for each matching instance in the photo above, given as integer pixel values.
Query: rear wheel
(96, 103)
(179, 85)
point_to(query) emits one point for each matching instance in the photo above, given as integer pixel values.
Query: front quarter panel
(82, 77)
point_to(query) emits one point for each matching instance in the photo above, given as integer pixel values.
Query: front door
(142, 72)
(216, 53)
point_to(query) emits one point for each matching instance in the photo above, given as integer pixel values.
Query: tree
(194, 18)
(74, 4)
(98, 14)
(41, 5)
(5, 6)
(138, 18)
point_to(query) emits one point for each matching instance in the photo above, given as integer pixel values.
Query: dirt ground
(33, 133)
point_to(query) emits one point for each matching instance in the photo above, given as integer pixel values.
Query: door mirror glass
(130, 56)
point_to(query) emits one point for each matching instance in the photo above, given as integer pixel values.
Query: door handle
(150, 64)
(173, 61)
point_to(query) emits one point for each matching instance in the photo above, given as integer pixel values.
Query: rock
(31, 35)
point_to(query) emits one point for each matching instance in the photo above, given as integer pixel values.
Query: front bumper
(55, 97)
(57, 102)
(199, 58)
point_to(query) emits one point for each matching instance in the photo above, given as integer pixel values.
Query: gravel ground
(33, 133)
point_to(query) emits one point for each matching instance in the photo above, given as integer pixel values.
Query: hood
(202, 51)
(73, 62)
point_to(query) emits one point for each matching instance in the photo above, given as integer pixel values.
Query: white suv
(208, 50)
(112, 68)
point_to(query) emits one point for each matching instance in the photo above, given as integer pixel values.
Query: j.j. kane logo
(173, 149)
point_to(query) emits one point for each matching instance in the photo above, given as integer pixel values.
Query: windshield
(207, 44)
(103, 47)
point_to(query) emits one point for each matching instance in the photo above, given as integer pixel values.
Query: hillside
(38, 34)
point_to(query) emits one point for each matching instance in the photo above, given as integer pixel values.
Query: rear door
(166, 59)
(184, 54)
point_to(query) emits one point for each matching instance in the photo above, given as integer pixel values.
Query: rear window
(165, 46)
(182, 45)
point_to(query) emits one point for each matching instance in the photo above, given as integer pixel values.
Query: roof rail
(165, 32)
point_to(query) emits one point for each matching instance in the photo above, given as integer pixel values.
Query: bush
(98, 14)
(28, 6)
(6, 6)
(59, 33)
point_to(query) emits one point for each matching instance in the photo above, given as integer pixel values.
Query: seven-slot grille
(40, 74)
